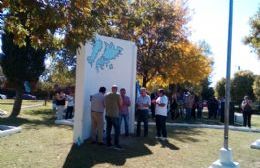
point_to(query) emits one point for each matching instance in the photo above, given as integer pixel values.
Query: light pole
(226, 160)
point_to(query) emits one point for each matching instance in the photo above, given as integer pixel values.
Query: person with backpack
(246, 107)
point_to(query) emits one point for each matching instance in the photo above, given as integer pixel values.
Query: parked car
(2, 96)
(29, 97)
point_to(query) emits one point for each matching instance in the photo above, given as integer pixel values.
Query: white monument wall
(105, 62)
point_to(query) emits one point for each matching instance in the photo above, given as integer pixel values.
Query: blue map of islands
(110, 52)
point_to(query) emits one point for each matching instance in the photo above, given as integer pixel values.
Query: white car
(2, 96)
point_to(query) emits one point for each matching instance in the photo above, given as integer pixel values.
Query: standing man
(143, 102)
(247, 111)
(189, 100)
(113, 103)
(124, 112)
(70, 105)
(97, 112)
(161, 115)
(154, 96)
(60, 102)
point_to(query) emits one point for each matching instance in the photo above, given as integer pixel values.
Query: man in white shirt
(161, 115)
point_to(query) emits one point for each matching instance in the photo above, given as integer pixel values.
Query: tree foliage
(207, 92)
(190, 67)
(241, 85)
(62, 75)
(159, 29)
(256, 87)
(220, 88)
(154, 25)
(56, 24)
(39, 27)
(253, 39)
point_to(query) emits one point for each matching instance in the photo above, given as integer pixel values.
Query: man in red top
(124, 111)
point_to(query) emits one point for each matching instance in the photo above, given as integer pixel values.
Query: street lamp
(226, 160)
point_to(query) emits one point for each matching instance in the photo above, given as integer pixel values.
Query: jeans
(69, 112)
(112, 122)
(124, 117)
(247, 118)
(60, 111)
(188, 113)
(142, 116)
(199, 112)
(161, 125)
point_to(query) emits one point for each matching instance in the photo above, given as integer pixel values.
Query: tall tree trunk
(18, 101)
(144, 81)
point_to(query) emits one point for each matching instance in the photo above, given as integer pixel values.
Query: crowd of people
(115, 108)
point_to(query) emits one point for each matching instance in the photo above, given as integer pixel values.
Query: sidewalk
(233, 128)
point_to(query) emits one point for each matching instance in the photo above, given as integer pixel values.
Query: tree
(253, 39)
(2, 77)
(50, 27)
(220, 88)
(20, 64)
(56, 24)
(206, 91)
(191, 66)
(62, 75)
(241, 85)
(256, 87)
(155, 26)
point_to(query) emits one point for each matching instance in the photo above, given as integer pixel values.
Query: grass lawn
(41, 144)
(6, 104)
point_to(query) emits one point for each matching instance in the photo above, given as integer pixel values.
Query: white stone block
(256, 144)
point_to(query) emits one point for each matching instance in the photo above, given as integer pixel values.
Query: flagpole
(226, 159)
(227, 93)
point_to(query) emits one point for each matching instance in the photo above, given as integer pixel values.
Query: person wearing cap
(161, 115)
(97, 112)
(113, 103)
(246, 107)
(143, 103)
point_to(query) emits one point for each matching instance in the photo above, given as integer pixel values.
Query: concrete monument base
(8, 130)
(69, 122)
(225, 161)
(256, 144)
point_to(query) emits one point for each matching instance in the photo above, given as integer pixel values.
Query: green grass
(41, 144)
(6, 104)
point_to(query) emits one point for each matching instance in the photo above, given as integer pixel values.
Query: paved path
(234, 128)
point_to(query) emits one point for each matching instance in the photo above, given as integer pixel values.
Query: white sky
(210, 23)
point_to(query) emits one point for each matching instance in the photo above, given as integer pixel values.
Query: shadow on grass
(45, 116)
(167, 144)
(89, 155)
(184, 134)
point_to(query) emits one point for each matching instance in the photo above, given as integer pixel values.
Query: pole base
(226, 160)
